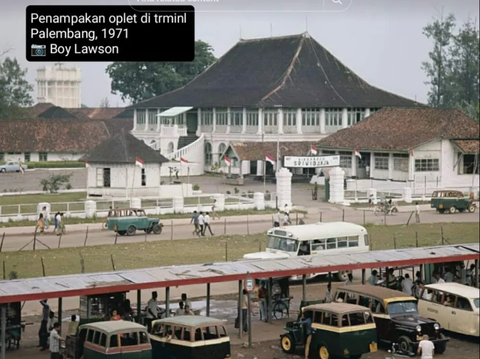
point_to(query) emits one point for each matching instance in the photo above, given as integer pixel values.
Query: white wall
(431, 150)
(52, 156)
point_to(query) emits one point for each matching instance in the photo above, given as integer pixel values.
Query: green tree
(137, 81)
(438, 68)
(14, 89)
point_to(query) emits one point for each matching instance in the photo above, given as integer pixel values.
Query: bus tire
(341, 276)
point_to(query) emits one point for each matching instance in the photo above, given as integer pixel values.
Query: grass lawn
(204, 250)
(399, 203)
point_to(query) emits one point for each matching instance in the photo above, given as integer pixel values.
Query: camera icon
(39, 50)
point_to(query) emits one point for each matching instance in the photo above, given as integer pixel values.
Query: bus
(314, 239)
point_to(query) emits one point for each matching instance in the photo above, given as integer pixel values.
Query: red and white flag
(227, 160)
(87, 165)
(21, 168)
(139, 162)
(183, 160)
(313, 150)
(412, 153)
(357, 153)
(270, 159)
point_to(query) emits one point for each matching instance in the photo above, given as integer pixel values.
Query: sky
(380, 40)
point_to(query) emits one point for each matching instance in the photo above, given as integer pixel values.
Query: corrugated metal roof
(96, 283)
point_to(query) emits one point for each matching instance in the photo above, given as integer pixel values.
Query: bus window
(366, 239)
(331, 243)
(304, 249)
(282, 244)
(318, 245)
(342, 242)
(353, 241)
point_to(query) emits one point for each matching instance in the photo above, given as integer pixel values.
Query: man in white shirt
(55, 342)
(206, 221)
(417, 212)
(276, 219)
(449, 276)
(328, 293)
(407, 285)
(152, 310)
(349, 280)
(180, 310)
(373, 280)
(426, 348)
(201, 224)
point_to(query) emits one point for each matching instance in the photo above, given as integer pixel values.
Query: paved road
(77, 239)
(30, 181)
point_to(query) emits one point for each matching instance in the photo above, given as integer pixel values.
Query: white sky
(381, 40)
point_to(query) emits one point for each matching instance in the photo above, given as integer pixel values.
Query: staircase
(184, 141)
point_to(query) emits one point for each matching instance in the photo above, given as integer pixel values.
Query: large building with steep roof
(286, 88)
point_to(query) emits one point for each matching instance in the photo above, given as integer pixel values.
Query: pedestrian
(51, 321)
(40, 224)
(114, 315)
(426, 348)
(307, 321)
(449, 276)
(43, 332)
(127, 311)
(59, 221)
(180, 310)
(188, 310)
(392, 282)
(373, 280)
(201, 224)
(245, 312)
(214, 210)
(46, 216)
(185, 300)
(55, 342)
(152, 311)
(276, 219)
(436, 278)
(417, 212)
(73, 325)
(407, 285)
(286, 219)
(62, 225)
(55, 218)
(328, 293)
(262, 301)
(206, 220)
(194, 220)
(349, 280)
(470, 272)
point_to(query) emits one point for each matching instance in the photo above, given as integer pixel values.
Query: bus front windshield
(282, 244)
(402, 308)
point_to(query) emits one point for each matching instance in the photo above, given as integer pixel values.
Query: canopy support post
(208, 299)
(139, 306)
(167, 302)
(304, 287)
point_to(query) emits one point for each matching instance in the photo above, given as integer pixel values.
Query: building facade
(287, 89)
(60, 86)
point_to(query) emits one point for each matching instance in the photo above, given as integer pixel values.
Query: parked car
(451, 201)
(190, 337)
(12, 167)
(396, 316)
(338, 330)
(112, 339)
(134, 219)
(455, 306)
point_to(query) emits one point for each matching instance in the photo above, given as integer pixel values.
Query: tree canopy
(137, 81)
(15, 91)
(453, 66)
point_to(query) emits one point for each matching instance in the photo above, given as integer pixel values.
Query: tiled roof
(403, 129)
(469, 146)
(118, 125)
(251, 151)
(102, 113)
(51, 135)
(57, 112)
(39, 108)
(289, 71)
(123, 148)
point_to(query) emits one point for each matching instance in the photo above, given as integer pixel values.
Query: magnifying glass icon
(337, 2)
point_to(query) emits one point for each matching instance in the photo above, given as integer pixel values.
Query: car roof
(375, 291)
(336, 307)
(190, 320)
(456, 288)
(321, 230)
(114, 326)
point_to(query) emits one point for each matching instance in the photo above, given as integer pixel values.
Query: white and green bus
(314, 239)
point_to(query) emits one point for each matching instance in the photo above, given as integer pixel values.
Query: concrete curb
(97, 227)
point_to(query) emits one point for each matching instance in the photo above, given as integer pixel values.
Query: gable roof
(123, 148)
(288, 71)
(468, 146)
(102, 113)
(403, 129)
(39, 108)
(51, 135)
(56, 112)
(256, 151)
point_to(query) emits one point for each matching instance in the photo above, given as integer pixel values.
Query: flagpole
(133, 181)
(264, 175)
(278, 152)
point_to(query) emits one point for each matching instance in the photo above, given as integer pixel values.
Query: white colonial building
(60, 85)
(286, 89)
(431, 148)
(113, 172)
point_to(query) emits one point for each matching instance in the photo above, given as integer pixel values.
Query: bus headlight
(436, 326)
(419, 328)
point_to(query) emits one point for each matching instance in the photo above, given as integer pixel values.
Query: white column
(134, 119)
(244, 120)
(372, 165)
(367, 112)
(199, 121)
(322, 120)
(159, 119)
(390, 166)
(147, 122)
(280, 121)
(260, 121)
(229, 119)
(411, 168)
(214, 119)
(284, 188)
(299, 121)
(354, 164)
(344, 118)
(337, 191)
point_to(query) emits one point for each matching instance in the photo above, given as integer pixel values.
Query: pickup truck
(12, 167)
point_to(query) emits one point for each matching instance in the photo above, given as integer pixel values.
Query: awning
(174, 111)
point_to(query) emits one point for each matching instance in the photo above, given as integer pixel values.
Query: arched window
(170, 148)
(221, 149)
(208, 154)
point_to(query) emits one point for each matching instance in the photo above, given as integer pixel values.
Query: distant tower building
(59, 85)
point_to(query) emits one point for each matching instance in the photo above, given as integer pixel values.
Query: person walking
(245, 312)
(307, 321)
(201, 224)
(40, 224)
(286, 219)
(206, 220)
(328, 293)
(417, 213)
(214, 210)
(152, 310)
(46, 216)
(194, 220)
(43, 332)
(276, 219)
(349, 280)
(262, 301)
(55, 342)
(55, 219)
(407, 285)
(426, 348)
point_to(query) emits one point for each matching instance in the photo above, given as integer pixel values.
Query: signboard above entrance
(311, 161)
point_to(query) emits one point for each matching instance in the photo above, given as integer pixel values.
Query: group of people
(278, 218)
(43, 222)
(184, 308)
(48, 335)
(201, 222)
